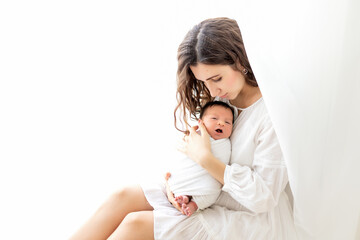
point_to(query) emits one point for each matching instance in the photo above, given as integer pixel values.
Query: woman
(212, 63)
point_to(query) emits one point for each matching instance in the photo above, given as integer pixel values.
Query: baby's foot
(183, 199)
(189, 208)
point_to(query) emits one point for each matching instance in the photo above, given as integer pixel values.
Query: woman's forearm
(214, 166)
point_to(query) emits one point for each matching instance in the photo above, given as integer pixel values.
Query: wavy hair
(215, 41)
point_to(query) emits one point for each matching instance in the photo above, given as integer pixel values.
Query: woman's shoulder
(255, 113)
(259, 114)
(253, 120)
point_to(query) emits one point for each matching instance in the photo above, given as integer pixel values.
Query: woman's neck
(247, 96)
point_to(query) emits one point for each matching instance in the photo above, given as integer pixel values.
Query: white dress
(252, 204)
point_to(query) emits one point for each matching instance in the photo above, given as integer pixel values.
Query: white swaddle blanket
(189, 178)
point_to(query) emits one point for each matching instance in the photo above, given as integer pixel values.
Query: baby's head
(218, 118)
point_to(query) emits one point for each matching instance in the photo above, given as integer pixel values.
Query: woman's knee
(139, 219)
(123, 193)
(131, 195)
(133, 218)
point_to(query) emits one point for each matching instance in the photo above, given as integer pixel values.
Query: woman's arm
(197, 147)
(258, 187)
(170, 195)
(214, 166)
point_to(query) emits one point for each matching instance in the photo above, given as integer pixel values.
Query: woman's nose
(214, 91)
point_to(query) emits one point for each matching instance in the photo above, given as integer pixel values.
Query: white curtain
(306, 57)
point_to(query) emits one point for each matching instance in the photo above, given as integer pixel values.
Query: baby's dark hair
(216, 103)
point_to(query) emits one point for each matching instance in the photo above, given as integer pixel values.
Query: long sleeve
(258, 187)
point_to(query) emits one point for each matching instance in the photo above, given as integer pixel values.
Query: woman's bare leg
(135, 226)
(109, 216)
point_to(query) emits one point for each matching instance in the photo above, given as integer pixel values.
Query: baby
(194, 188)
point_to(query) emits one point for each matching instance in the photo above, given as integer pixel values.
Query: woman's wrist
(214, 166)
(205, 158)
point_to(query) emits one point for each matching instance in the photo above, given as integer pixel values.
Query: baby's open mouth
(219, 130)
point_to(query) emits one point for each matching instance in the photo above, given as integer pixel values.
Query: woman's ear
(240, 67)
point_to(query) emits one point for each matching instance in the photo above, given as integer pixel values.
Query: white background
(87, 93)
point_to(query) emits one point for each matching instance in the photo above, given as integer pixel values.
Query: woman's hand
(170, 195)
(196, 146)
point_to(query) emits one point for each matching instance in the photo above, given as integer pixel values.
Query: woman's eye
(217, 80)
(213, 118)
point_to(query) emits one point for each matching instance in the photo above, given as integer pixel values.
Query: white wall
(87, 92)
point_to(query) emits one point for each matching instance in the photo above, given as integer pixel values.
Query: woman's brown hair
(215, 41)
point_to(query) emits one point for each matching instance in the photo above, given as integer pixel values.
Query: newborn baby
(194, 188)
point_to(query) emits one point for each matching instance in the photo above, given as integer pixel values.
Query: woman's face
(221, 80)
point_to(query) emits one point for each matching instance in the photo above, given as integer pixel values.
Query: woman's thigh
(135, 226)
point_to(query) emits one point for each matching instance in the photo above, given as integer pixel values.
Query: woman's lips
(224, 96)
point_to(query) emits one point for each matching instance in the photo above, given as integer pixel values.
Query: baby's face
(218, 122)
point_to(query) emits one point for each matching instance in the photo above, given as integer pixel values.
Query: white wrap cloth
(189, 178)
